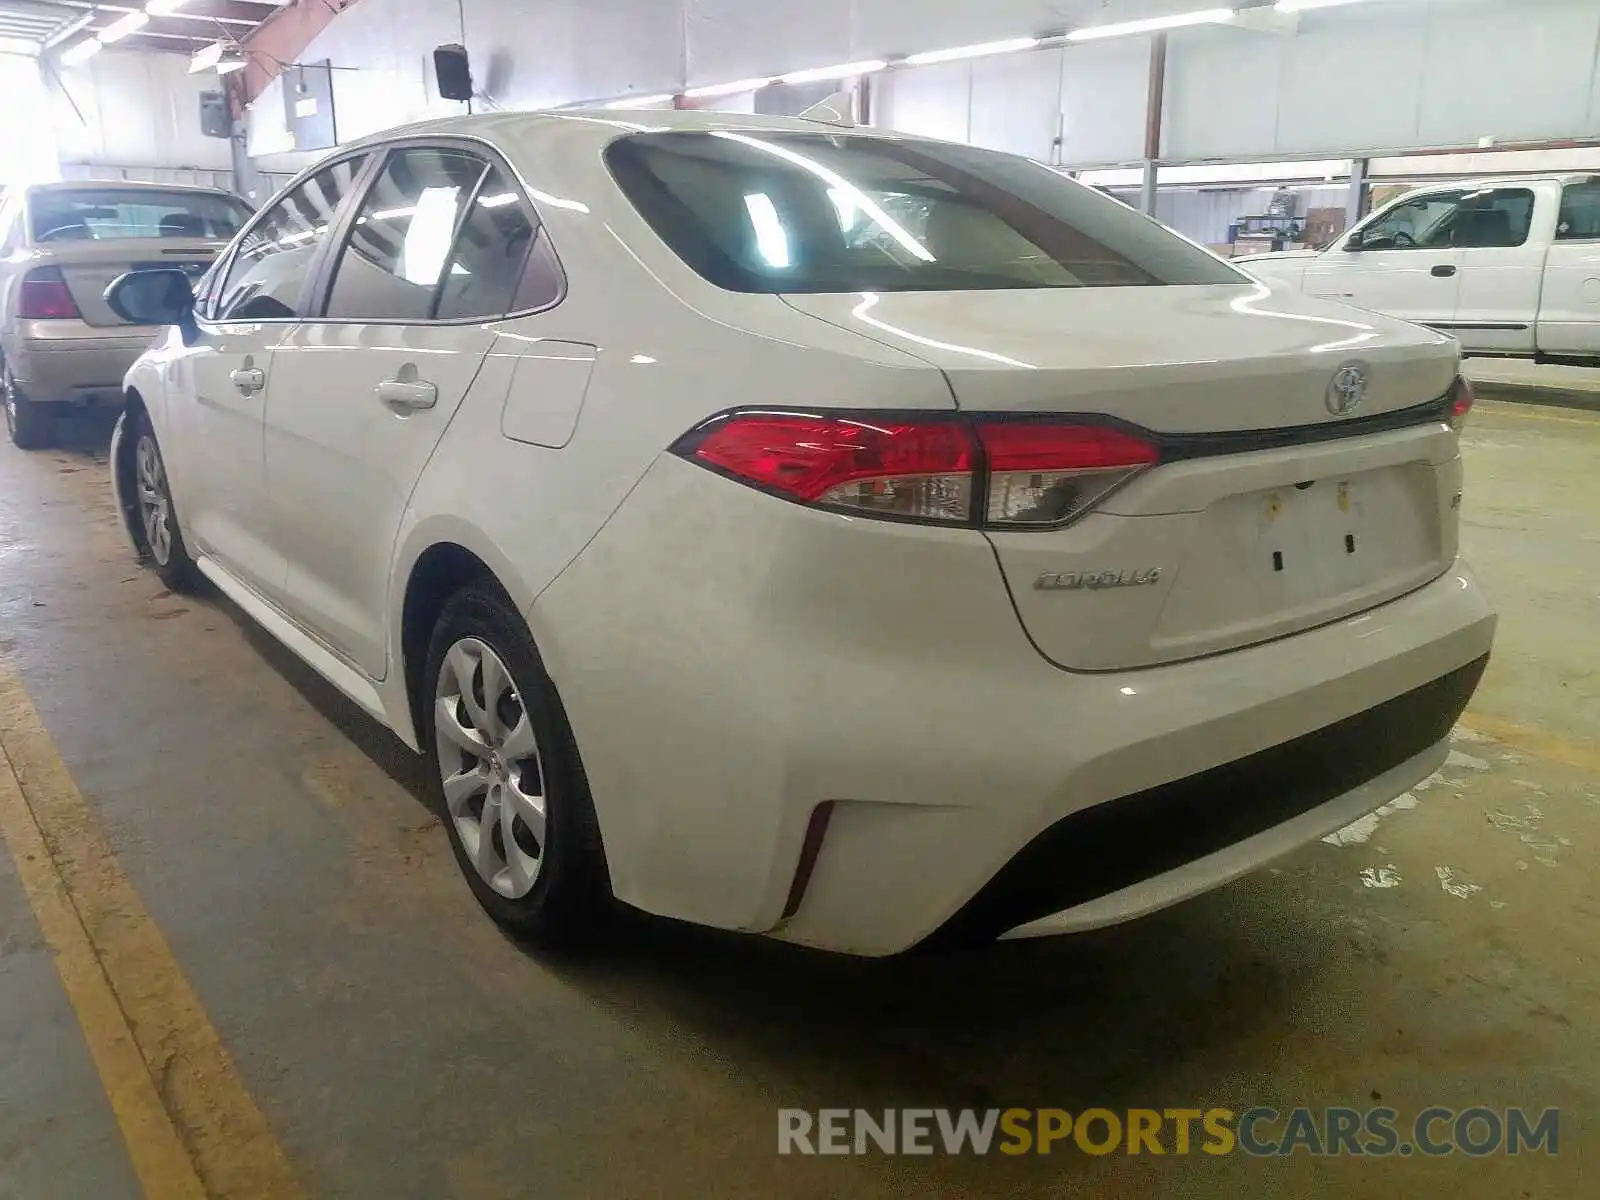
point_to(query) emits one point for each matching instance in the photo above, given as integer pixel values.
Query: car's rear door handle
(248, 379)
(407, 397)
(1443, 271)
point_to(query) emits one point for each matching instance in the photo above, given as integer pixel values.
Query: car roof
(607, 123)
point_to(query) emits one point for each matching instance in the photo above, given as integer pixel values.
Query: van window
(1492, 217)
(1580, 212)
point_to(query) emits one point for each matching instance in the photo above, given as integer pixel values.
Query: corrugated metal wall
(134, 111)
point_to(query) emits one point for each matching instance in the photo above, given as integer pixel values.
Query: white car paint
(729, 660)
(1538, 298)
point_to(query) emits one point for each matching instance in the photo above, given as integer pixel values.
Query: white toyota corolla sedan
(827, 533)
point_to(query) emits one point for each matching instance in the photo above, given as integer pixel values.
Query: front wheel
(511, 788)
(158, 520)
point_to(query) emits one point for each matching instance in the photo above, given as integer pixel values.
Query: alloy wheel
(490, 768)
(155, 507)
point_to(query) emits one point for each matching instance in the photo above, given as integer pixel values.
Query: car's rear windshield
(754, 211)
(99, 214)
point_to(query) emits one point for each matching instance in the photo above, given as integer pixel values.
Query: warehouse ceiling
(191, 24)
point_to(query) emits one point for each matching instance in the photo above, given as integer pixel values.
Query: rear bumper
(69, 362)
(730, 661)
(1131, 855)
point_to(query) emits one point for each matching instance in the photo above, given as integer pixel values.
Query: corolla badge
(1072, 581)
(1348, 389)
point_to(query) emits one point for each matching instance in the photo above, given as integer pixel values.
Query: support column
(1355, 205)
(1152, 123)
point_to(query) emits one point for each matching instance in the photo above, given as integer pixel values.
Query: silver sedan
(61, 244)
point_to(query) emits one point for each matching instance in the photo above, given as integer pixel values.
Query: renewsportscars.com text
(1378, 1132)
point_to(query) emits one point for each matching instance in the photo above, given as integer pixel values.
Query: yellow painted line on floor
(159, 1159)
(191, 1127)
(1585, 757)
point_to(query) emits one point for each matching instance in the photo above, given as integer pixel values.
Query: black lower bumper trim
(1121, 842)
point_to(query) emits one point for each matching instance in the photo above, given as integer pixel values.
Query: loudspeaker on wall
(453, 72)
(214, 118)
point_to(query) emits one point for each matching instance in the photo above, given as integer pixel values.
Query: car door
(1399, 263)
(437, 249)
(1569, 310)
(1502, 265)
(222, 376)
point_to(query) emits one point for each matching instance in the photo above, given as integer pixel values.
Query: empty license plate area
(1266, 562)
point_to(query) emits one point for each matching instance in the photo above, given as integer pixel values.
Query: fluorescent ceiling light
(74, 56)
(839, 71)
(229, 63)
(206, 57)
(975, 51)
(160, 8)
(1206, 16)
(640, 101)
(118, 30)
(66, 32)
(728, 89)
(1294, 6)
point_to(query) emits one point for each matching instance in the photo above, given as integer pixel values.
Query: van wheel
(511, 789)
(30, 423)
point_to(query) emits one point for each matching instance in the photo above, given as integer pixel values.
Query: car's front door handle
(1443, 271)
(249, 379)
(406, 396)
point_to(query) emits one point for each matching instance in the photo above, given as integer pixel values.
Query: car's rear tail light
(900, 468)
(1462, 398)
(986, 471)
(45, 296)
(1044, 474)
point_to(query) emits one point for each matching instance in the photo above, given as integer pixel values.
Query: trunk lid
(1269, 512)
(91, 267)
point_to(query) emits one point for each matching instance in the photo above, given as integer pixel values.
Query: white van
(1507, 266)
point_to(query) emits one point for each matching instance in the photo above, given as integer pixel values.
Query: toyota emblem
(1348, 389)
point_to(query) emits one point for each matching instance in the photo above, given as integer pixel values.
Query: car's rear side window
(754, 211)
(491, 247)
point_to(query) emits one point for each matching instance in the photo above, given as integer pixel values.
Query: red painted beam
(282, 38)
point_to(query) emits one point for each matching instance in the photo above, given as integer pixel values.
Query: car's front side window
(400, 245)
(270, 265)
(1415, 224)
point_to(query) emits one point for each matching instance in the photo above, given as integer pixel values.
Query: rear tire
(30, 424)
(508, 782)
(161, 541)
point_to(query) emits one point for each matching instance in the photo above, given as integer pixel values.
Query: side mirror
(1353, 245)
(160, 296)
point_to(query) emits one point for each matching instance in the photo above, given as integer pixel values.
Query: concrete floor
(400, 1047)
